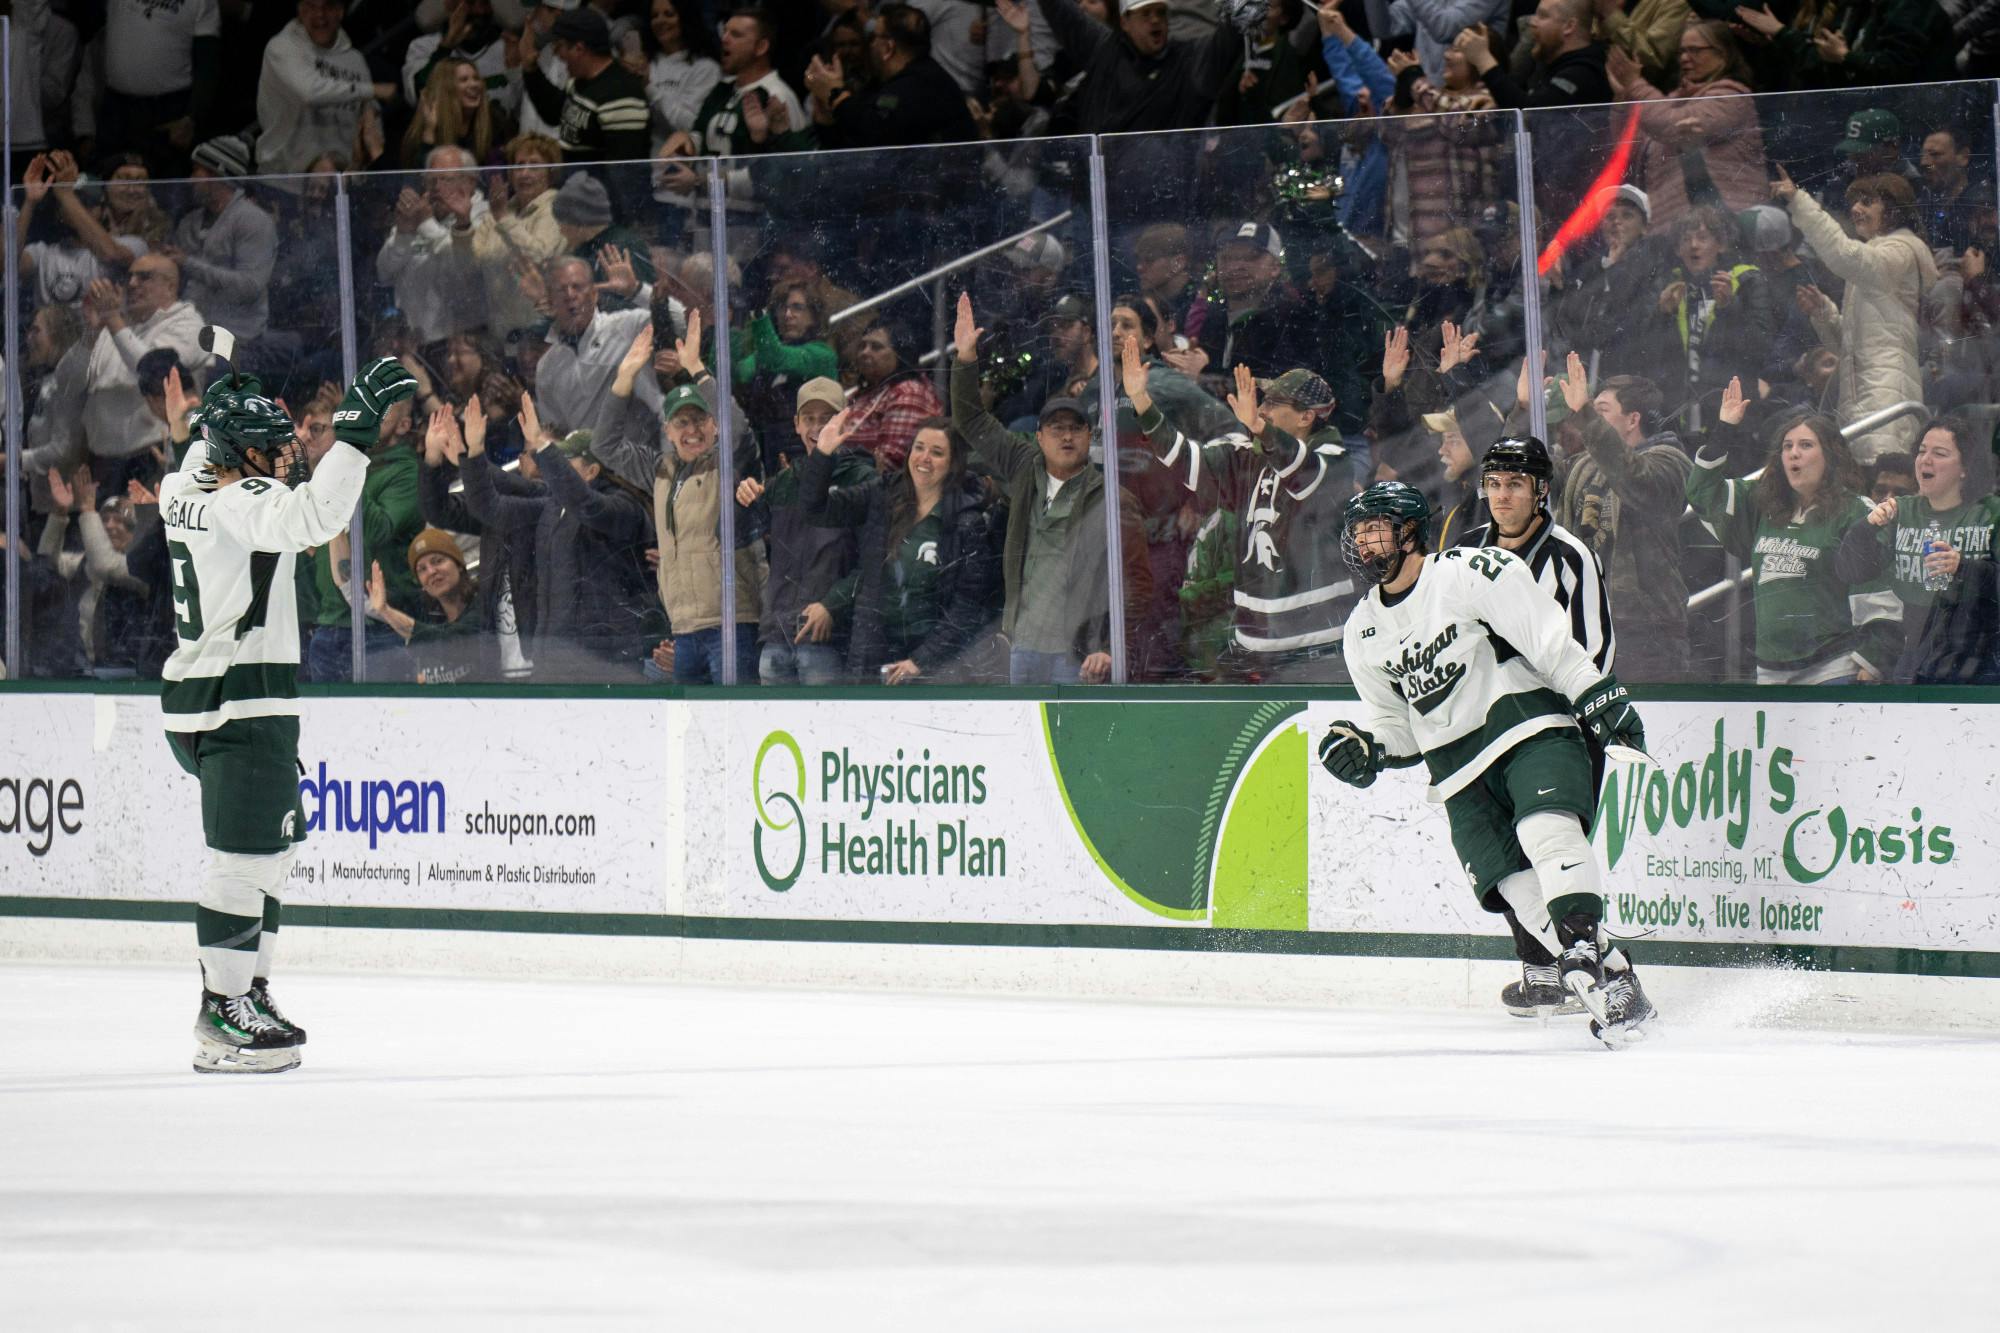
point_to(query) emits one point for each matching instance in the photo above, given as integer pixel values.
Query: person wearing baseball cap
(1264, 325)
(806, 558)
(687, 516)
(1872, 143)
(1142, 78)
(1285, 475)
(1057, 612)
(1622, 276)
(602, 110)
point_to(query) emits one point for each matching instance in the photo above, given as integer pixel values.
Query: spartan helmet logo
(289, 830)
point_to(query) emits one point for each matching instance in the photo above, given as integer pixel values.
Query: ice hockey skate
(233, 1035)
(1626, 1010)
(1539, 994)
(260, 991)
(1617, 1004)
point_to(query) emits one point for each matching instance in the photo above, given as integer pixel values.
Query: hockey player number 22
(187, 592)
(1486, 565)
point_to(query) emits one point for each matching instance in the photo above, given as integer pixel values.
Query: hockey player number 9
(187, 592)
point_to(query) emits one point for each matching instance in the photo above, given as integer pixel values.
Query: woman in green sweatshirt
(1813, 627)
(1936, 548)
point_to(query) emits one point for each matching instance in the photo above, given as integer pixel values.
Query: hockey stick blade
(1629, 754)
(221, 344)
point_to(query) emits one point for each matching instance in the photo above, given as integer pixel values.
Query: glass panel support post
(1107, 412)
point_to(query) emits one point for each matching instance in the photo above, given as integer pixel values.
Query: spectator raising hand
(636, 359)
(1459, 348)
(180, 404)
(1243, 402)
(966, 332)
(1132, 376)
(1527, 380)
(1734, 404)
(1395, 357)
(1761, 21)
(687, 348)
(532, 430)
(442, 442)
(1575, 385)
(621, 279)
(475, 431)
(835, 432)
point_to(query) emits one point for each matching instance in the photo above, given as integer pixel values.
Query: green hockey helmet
(1404, 506)
(233, 421)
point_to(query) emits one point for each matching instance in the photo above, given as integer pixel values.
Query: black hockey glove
(380, 385)
(1606, 711)
(1350, 754)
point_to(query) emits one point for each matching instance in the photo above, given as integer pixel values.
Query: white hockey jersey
(1466, 664)
(236, 609)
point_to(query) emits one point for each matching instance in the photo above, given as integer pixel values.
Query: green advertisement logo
(1196, 812)
(788, 802)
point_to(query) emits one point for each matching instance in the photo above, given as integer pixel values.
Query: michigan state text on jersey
(1463, 664)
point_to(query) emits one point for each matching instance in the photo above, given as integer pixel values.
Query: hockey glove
(1606, 712)
(380, 385)
(1350, 754)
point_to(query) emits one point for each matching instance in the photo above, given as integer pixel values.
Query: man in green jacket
(1057, 615)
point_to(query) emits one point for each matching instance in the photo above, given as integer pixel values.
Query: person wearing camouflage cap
(1285, 474)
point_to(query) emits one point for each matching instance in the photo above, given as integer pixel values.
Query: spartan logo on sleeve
(1420, 678)
(1259, 546)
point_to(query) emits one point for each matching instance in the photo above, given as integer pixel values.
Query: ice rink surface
(484, 1155)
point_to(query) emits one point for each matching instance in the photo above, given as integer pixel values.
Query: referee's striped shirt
(1568, 571)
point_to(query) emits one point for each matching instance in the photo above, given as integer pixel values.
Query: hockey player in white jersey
(1515, 477)
(1464, 665)
(237, 511)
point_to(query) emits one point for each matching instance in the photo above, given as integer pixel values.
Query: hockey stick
(221, 344)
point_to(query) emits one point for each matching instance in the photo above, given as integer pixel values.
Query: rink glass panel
(1721, 153)
(855, 262)
(114, 436)
(499, 309)
(1361, 247)
(877, 219)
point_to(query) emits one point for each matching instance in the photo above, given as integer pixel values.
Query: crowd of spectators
(1314, 224)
